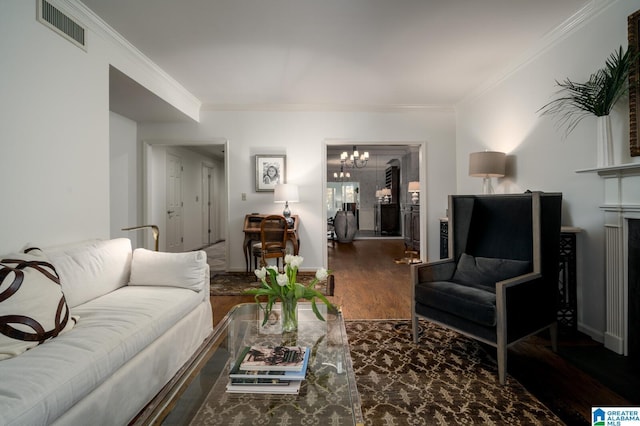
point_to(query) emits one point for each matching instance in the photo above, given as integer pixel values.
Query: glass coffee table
(328, 395)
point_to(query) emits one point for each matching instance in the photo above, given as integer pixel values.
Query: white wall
(54, 124)
(505, 118)
(54, 134)
(123, 171)
(302, 136)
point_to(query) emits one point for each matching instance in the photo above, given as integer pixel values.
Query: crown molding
(326, 107)
(135, 57)
(568, 27)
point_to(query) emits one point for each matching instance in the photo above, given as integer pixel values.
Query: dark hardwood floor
(371, 284)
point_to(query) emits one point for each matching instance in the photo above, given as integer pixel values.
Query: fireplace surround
(621, 209)
(633, 278)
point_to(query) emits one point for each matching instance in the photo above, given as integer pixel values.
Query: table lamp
(487, 164)
(386, 195)
(286, 193)
(414, 188)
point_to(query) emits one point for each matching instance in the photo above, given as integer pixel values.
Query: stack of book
(259, 369)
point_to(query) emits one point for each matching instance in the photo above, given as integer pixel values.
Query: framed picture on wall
(270, 170)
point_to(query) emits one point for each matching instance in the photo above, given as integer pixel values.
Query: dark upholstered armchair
(500, 283)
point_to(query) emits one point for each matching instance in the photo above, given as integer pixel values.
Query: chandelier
(355, 160)
(342, 175)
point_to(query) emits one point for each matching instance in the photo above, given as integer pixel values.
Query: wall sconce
(286, 193)
(414, 188)
(487, 164)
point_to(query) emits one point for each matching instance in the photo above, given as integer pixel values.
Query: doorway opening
(389, 166)
(203, 196)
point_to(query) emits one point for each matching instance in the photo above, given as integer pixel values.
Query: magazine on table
(276, 358)
(238, 372)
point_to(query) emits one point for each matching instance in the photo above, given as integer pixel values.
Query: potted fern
(597, 96)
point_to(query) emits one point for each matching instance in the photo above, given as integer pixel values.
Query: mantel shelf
(612, 170)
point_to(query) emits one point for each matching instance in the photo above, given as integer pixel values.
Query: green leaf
(597, 96)
(299, 291)
(315, 310)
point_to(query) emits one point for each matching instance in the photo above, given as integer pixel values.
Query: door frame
(179, 245)
(148, 177)
(211, 213)
(422, 173)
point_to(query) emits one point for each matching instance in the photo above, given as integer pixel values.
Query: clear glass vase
(289, 315)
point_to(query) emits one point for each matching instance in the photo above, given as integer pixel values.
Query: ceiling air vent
(61, 23)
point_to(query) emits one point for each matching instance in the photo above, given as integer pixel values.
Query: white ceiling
(332, 53)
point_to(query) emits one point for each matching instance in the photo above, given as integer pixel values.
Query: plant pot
(604, 141)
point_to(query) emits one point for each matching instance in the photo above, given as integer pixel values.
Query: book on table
(280, 387)
(276, 370)
(238, 370)
(276, 358)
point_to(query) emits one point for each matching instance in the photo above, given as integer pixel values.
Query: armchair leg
(502, 363)
(553, 332)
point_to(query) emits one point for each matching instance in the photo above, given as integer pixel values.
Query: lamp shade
(285, 192)
(487, 164)
(386, 192)
(414, 186)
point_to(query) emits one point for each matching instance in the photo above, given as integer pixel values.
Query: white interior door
(174, 204)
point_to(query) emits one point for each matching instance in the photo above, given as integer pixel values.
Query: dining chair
(273, 241)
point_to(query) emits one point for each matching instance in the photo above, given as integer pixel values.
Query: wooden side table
(444, 238)
(568, 280)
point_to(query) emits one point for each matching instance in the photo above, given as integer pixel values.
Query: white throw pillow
(32, 306)
(91, 269)
(187, 270)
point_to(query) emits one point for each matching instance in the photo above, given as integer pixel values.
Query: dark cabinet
(387, 216)
(392, 181)
(412, 227)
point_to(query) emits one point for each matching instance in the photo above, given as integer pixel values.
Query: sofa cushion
(485, 272)
(186, 270)
(471, 303)
(32, 306)
(92, 268)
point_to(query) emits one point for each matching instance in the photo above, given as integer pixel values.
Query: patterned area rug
(447, 379)
(235, 283)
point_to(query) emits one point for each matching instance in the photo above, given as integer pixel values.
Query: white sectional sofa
(135, 319)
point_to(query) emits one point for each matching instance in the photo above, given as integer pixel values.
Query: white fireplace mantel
(621, 203)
